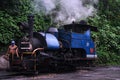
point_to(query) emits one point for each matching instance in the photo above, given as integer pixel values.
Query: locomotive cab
(77, 38)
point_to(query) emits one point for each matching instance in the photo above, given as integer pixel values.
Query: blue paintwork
(51, 40)
(77, 40)
(70, 40)
(55, 34)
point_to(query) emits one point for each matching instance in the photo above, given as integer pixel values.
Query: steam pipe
(40, 49)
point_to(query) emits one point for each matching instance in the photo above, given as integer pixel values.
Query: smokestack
(30, 24)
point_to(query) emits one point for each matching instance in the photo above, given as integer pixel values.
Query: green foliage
(42, 22)
(16, 7)
(16, 11)
(108, 58)
(8, 29)
(11, 12)
(108, 36)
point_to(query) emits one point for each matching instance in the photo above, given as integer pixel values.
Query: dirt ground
(96, 73)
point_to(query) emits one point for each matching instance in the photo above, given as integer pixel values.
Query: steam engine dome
(52, 29)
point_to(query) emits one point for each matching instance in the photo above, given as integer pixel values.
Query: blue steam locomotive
(71, 45)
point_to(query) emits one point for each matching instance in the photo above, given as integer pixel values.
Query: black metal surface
(27, 27)
(79, 27)
(23, 26)
(30, 23)
(38, 41)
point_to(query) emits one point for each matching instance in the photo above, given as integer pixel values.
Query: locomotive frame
(70, 46)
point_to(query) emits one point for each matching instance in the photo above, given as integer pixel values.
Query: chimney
(30, 24)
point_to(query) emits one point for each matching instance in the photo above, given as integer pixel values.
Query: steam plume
(64, 11)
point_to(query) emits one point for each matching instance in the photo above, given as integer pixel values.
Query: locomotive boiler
(70, 45)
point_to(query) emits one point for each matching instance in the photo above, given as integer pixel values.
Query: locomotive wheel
(88, 63)
(91, 63)
(63, 67)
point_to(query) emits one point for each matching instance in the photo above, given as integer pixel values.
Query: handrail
(36, 50)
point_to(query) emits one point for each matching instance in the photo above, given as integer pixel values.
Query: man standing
(13, 49)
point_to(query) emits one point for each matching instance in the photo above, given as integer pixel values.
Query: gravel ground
(98, 73)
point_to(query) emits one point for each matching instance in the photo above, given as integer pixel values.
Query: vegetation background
(107, 20)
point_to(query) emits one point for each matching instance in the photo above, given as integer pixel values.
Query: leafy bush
(108, 37)
(8, 29)
(16, 11)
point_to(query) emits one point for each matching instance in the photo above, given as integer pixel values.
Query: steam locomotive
(71, 45)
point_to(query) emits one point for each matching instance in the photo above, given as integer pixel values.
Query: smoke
(43, 5)
(65, 11)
